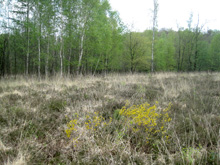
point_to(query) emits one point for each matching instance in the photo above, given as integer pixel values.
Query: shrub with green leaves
(191, 155)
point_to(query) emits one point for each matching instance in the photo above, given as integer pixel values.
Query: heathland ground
(164, 118)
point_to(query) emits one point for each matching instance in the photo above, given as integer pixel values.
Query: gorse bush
(71, 130)
(92, 123)
(71, 127)
(146, 119)
(144, 122)
(95, 121)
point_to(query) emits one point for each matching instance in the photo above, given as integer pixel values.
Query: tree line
(87, 37)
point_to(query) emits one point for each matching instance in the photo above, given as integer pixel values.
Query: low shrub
(146, 118)
(139, 123)
(94, 122)
(144, 123)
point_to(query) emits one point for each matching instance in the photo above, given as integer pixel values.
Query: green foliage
(204, 60)
(17, 111)
(165, 52)
(135, 57)
(215, 52)
(192, 155)
(56, 105)
(116, 114)
(213, 157)
(89, 37)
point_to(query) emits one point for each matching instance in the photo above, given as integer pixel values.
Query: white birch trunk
(152, 56)
(48, 51)
(153, 38)
(39, 45)
(28, 41)
(61, 45)
(61, 58)
(39, 55)
(69, 61)
(97, 65)
(81, 52)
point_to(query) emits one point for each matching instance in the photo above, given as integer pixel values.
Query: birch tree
(82, 23)
(49, 22)
(155, 11)
(23, 19)
(28, 37)
(39, 12)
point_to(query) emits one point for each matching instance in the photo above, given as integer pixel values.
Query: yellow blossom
(148, 117)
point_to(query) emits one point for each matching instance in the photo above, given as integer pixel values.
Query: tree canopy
(87, 37)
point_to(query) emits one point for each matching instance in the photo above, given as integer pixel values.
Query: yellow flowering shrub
(141, 122)
(71, 127)
(93, 122)
(146, 119)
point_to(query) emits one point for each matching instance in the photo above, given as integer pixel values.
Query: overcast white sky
(171, 12)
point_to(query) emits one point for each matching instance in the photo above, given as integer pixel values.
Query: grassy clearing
(34, 116)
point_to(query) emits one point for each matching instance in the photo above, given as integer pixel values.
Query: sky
(137, 14)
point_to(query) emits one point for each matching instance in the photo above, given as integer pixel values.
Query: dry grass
(33, 117)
